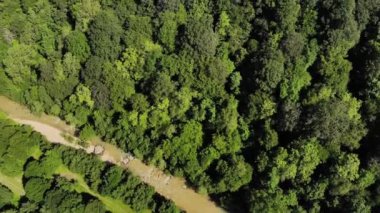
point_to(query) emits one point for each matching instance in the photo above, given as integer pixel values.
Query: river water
(172, 188)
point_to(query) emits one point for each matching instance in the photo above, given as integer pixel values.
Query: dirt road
(172, 188)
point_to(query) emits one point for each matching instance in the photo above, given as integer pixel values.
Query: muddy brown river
(172, 188)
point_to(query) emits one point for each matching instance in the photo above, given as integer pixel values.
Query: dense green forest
(50, 178)
(267, 105)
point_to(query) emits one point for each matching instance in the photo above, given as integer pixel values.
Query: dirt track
(170, 187)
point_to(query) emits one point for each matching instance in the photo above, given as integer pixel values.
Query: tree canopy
(266, 106)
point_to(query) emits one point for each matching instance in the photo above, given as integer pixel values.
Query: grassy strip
(14, 184)
(113, 205)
